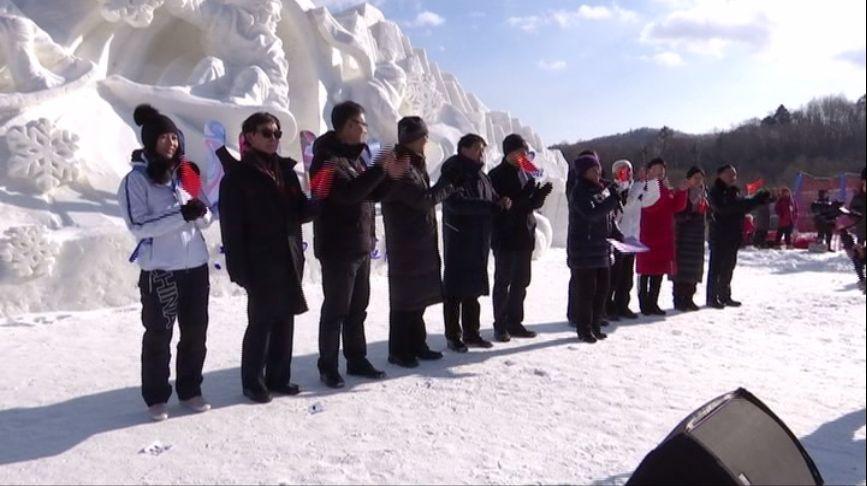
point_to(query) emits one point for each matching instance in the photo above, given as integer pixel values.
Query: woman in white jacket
(167, 217)
(628, 221)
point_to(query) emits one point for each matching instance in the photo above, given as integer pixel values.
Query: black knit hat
(693, 171)
(724, 168)
(410, 129)
(153, 124)
(513, 143)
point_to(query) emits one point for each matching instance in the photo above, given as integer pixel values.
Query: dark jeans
(407, 336)
(760, 239)
(721, 269)
(622, 281)
(266, 353)
(649, 287)
(588, 292)
(785, 232)
(346, 288)
(512, 275)
(456, 310)
(166, 296)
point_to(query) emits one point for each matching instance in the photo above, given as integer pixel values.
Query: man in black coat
(591, 223)
(824, 218)
(343, 238)
(412, 246)
(467, 222)
(514, 238)
(728, 210)
(262, 208)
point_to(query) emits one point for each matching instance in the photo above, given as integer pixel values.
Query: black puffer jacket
(728, 209)
(346, 228)
(690, 226)
(591, 223)
(261, 213)
(411, 236)
(467, 224)
(515, 229)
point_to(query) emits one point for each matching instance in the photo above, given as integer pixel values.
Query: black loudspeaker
(733, 440)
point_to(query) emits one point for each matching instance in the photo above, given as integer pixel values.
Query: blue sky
(577, 69)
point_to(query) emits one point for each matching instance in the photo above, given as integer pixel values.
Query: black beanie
(724, 168)
(153, 124)
(410, 129)
(693, 171)
(514, 142)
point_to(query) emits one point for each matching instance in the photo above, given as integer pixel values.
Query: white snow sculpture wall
(71, 73)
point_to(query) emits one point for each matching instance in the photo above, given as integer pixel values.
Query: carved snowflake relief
(26, 252)
(42, 156)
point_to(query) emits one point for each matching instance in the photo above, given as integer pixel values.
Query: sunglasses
(268, 133)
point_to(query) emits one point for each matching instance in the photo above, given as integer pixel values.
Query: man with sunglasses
(262, 208)
(343, 238)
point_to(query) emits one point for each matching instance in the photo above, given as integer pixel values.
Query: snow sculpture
(34, 61)
(43, 156)
(27, 253)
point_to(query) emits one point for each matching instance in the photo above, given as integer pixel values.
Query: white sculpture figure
(245, 60)
(26, 252)
(34, 61)
(43, 157)
(369, 74)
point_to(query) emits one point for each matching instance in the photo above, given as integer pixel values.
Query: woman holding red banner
(787, 212)
(160, 203)
(659, 204)
(690, 230)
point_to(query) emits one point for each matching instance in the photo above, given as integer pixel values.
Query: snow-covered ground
(548, 410)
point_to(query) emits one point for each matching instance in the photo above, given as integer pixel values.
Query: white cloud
(341, 5)
(551, 65)
(569, 18)
(667, 59)
(426, 19)
(856, 57)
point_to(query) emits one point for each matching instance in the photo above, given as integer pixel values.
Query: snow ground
(548, 410)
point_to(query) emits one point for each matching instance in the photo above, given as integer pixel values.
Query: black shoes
(289, 389)
(502, 336)
(404, 361)
(715, 304)
(257, 395)
(587, 337)
(599, 335)
(331, 379)
(522, 332)
(627, 314)
(457, 345)
(477, 342)
(429, 355)
(731, 303)
(364, 369)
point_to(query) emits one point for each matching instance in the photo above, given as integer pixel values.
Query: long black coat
(411, 236)
(591, 223)
(467, 225)
(728, 209)
(260, 221)
(515, 229)
(346, 228)
(857, 205)
(690, 226)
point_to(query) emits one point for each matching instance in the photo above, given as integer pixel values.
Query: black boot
(597, 332)
(586, 335)
(364, 369)
(331, 379)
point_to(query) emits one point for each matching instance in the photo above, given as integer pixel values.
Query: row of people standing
(262, 207)
(670, 223)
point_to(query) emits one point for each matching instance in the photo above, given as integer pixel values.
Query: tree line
(824, 137)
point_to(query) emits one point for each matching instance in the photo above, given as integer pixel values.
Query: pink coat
(657, 233)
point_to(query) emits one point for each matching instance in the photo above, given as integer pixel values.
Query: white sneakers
(160, 411)
(196, 404)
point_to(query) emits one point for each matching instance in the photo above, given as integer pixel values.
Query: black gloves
(545, 190)
(193, 210)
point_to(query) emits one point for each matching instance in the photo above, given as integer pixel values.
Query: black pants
(512, 275)
(622, 281)
(760, 239)
(684, 293)
(166, 296)
(649, 287)
(786, 232)
(407, 336)
(266, 353)
(588, 292)
(826, 234)
(721, 269)
(466, 310)
(346, 287)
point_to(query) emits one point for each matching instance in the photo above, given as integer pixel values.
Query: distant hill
(824, 137)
